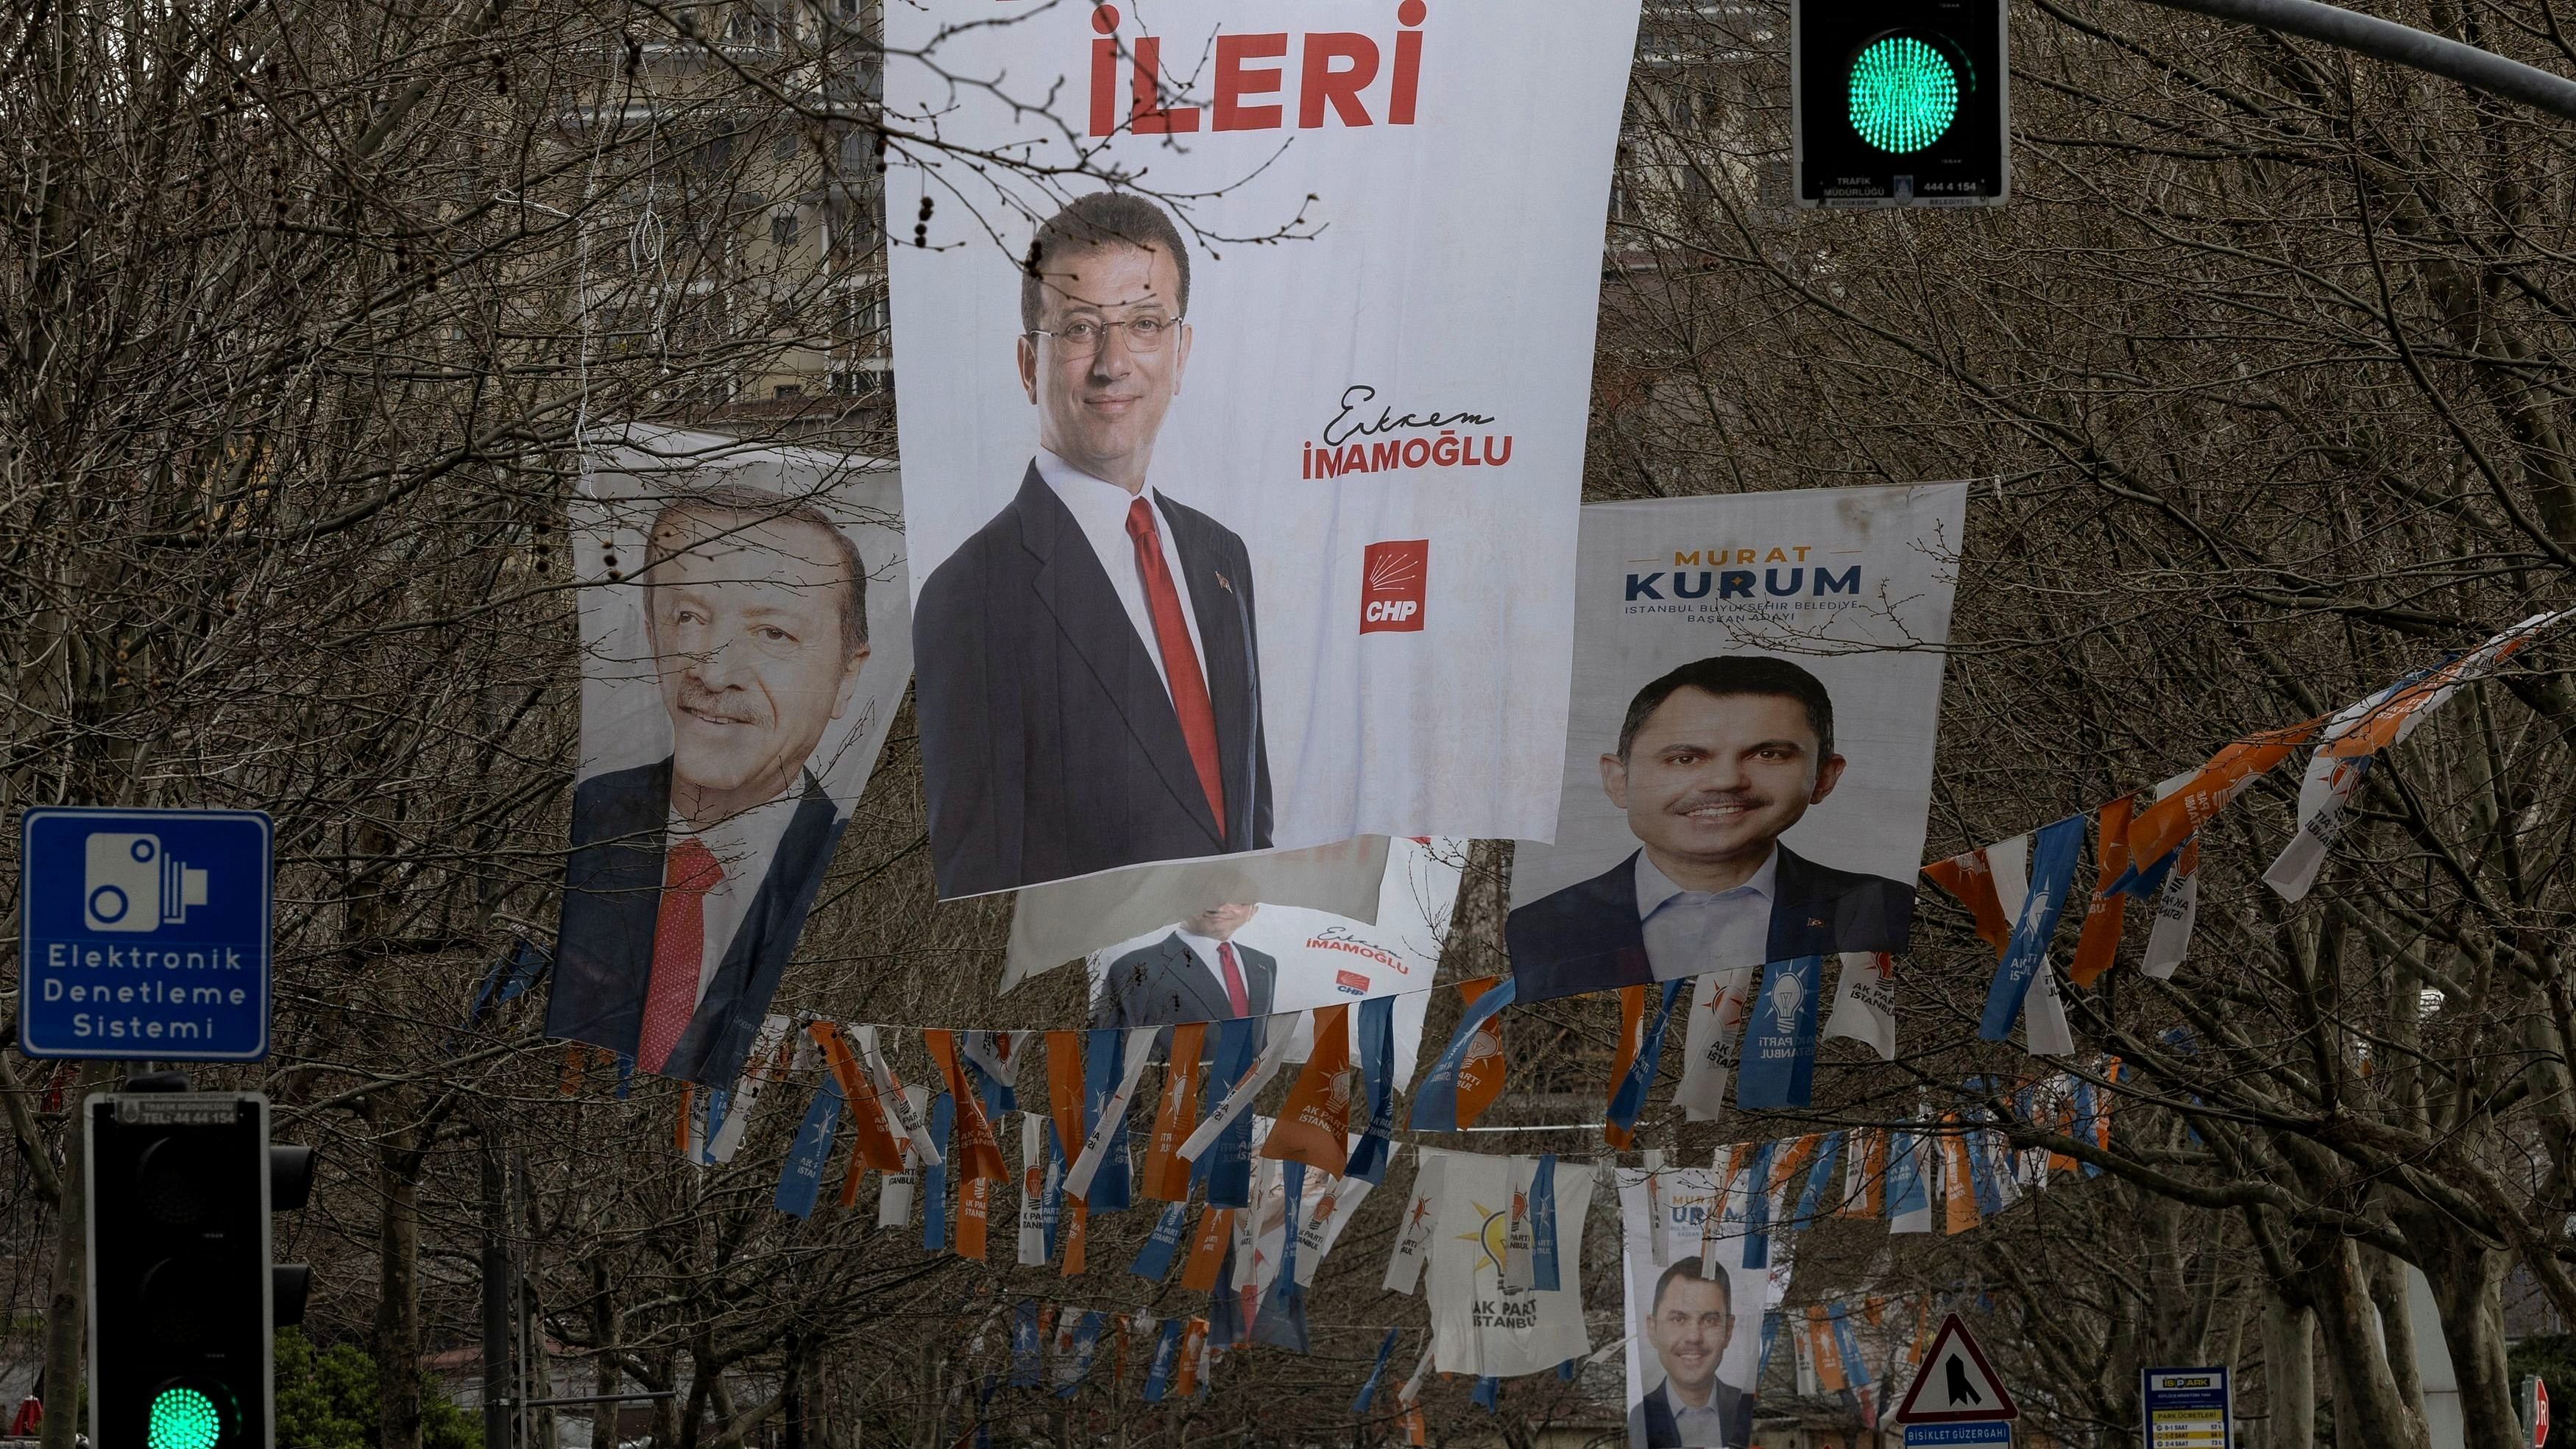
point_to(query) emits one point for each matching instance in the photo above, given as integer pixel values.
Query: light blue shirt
(1691, 933)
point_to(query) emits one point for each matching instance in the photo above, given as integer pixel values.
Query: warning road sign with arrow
(1956, 1384)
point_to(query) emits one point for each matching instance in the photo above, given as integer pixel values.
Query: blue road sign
(143, 934)
(1976, 1434)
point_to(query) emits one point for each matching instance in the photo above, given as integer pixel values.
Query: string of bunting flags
(1488, 1235)
(1848, 1348)
(938, 1143)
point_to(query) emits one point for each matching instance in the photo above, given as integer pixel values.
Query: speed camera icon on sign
(132, 884)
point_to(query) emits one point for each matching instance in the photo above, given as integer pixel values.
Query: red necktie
(1180, 661)
(1236, 997)
(679, 950)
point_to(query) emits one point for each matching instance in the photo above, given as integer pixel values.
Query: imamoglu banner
(1243, 353)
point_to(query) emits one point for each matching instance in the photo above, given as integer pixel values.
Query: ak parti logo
(1393, 577)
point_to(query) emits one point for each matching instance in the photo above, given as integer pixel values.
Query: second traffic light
(184, 1303)
(1900, 102)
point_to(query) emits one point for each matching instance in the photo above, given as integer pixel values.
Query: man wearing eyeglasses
(1087, 670)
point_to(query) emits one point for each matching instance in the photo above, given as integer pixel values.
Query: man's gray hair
(742, 501)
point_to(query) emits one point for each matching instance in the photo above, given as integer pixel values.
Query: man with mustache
(1716, 761)
(1087, 673)
(690, 878)
(1689, 1325)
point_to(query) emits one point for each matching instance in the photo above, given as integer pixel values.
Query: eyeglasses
(1081, 339)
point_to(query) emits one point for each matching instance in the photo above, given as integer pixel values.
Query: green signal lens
(183, 1418)
(1904, 94)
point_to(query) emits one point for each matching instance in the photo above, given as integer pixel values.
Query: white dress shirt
(1101, 508)
(744, 845)
(1689, 933)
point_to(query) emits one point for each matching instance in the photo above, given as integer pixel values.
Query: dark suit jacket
(1651, 1424)
(612, 895)
(1049, 746)
(1587, 937)
(1166, 983)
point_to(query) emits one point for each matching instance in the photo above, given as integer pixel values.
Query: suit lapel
(1795, 928)
(1610, 899)
(1073, 583)
(630, 879)
(1195, 981)
(1261, 982)
(1613, 893)
(1661, 1426)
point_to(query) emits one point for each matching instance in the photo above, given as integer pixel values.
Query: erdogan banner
(745, 643)
(1748, 757)
(1240, 493)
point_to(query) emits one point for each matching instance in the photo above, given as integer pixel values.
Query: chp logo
(1393, 577)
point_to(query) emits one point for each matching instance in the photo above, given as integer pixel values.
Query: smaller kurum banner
(1694, 1318)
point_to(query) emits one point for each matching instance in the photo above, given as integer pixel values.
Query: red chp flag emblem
(1393, 576)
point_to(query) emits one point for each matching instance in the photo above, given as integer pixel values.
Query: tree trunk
(2467, 1279)
(666, 1411)
(397, 1293)
(497, 1408)
(2369, 1411)
(67, 1308)
(604, 1375)
(2289, 1373)
(2396, 1325)
(792, 1407)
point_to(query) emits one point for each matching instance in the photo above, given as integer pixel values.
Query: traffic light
(183, 1301)
(1900, 102)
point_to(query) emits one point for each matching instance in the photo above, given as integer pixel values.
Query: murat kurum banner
(1245, 357)
(1748, 757)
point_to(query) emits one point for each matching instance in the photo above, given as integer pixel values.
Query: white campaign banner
(1748, 756)
(1286, 958)
(745, 643)
(1477, 1327)
(1241, 494)
(1053, 924)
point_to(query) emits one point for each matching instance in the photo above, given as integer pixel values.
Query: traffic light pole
(497, 1406)
(2481, 70)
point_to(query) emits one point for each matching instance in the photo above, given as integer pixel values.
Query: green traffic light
(183, 1418)
(1904, 93)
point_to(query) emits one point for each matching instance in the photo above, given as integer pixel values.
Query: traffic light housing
(1900, 102)
(184, 1304)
